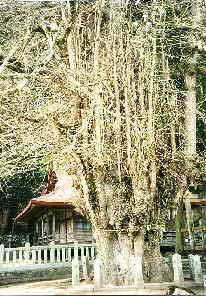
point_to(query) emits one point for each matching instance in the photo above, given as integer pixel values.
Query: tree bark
(117, 251)
(155, 268)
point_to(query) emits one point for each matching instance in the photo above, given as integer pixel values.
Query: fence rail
(45, 254)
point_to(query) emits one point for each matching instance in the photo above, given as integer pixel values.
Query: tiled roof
(64, 194)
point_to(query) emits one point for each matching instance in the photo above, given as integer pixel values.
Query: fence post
(204, 282)
(82, 253)
(92, 252)
(20, 256)
(75, 273)
(196, 268)
(27, 252)
(58, 255)
(45, 255)
(52, 252)
(1, 254)
(98, 276)
(7, 256)
(14, 256)
(63, 255)
(33, 256)
(85, 265)
(177, 267)
(76, 250)
(87, 252)
(69, 254)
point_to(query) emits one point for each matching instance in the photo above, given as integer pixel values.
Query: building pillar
(53, 225)
(42, 227)
(37, 227)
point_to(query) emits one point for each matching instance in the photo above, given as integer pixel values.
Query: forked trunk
(121, 257)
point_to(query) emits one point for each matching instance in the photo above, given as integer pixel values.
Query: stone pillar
(52, 251)
(85, 264)
(98, 274)
(75, 273)
(196, 267)
(204, 283)
(1, 254)
(138, 272)
(177, 267)
(27, 252)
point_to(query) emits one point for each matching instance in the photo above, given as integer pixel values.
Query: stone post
(27, 252)
(85, 264)
(75, 273)
(1, 254)
(137, 271)
(52, 252)
(196, 268)
(177, 267)
(98, 274)
(204, 282)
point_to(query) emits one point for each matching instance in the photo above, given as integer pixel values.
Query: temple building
(54, 216)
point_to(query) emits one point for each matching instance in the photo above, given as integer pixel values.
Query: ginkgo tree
(91, 87)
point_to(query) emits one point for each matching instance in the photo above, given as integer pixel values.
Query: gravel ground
(63, 287)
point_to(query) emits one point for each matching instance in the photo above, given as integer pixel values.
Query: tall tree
(89, 88)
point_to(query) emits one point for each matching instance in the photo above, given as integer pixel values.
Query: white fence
(45, 254)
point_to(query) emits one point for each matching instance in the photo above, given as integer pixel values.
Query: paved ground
(63, 287)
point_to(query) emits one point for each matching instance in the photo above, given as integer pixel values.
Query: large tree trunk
(155, 268)
(119, 254)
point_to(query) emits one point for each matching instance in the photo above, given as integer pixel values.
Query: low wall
(44, 272)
